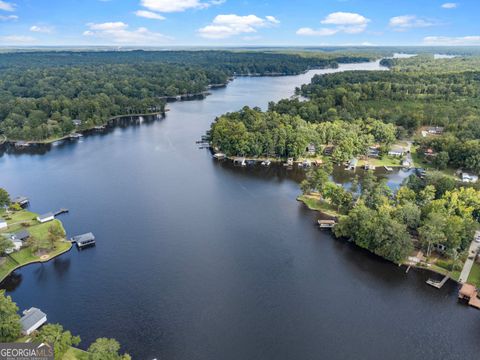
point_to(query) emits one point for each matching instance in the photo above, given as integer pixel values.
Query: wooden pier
(438, 284)
(61, 211)
(469, 294)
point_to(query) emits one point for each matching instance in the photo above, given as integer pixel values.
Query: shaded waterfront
(197, 259)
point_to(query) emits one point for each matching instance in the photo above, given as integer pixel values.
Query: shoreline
(39, 261)
(168, 99)
(434, 269)
(24, 256)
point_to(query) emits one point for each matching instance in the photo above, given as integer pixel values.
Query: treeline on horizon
(406, 98)
(42, 92)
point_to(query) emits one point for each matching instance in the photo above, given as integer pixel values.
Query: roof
(21, 235)
(84, 237)
(32, 316)
(20, 199)
(45, 216)
(326, 221)
(2, 220)
(397, 149)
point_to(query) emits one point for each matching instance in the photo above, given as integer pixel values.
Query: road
(472, 252)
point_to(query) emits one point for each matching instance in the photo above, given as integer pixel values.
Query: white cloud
(8, 17)
(348, 23)
(118, 32)
(319, 32)
(168, 6)
(149, 15)
(16, 40)
(404, 22)
(42, 29)
(345, 18)
(449, 5)
(6, 6)
(224, 26)
(447, 40)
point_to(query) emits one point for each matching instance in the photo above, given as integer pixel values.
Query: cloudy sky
(239, 22)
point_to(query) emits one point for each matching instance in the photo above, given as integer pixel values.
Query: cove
(196, 259)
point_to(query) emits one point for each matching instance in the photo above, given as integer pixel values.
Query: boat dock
(438, 284)
(84, 240)
(326, 224)
(61, 211)
(469, 294)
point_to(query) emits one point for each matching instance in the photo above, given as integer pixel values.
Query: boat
(266, 163)
(388, 168)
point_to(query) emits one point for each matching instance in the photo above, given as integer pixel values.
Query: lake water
(196, 259)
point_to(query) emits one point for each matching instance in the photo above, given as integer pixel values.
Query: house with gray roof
(46, 217)
(3, 224)
(20, 236)
(32, 319)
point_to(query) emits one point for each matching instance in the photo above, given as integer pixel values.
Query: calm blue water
(196, 259)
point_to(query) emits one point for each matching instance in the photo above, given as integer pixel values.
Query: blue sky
(167, 23)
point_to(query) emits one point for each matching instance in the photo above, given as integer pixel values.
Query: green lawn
(390, 161)
(75, 354)
(474, 277)
(314, 202)
(27, 220)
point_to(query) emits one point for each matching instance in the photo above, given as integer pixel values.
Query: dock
(326, 224)
(438, 284)
(84, 240)
(469, 294)
(388, 168)
(59, 212)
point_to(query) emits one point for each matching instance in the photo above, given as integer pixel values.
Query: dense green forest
(257, 133)
(404, 97)
(424, 213)
(42, 92)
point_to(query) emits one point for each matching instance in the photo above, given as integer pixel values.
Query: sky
(169, 23)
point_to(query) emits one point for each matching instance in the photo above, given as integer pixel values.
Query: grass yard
(314, 202)
(27, 220)
(75, 354)
(474, 277)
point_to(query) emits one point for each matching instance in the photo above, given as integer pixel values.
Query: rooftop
(21, 235)
(45, 216)
(31, 317)
(84, 237)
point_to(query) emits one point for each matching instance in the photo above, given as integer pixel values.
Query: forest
(424, 213)
(42, 92)
(405, 98)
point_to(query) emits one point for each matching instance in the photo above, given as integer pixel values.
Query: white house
(3, 224)
(32, 319)
(468, 178)
(46, 217)
(396, 151)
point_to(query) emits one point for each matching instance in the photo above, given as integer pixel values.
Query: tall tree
(9, 319)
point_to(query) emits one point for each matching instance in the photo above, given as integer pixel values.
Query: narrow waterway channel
(196, 259)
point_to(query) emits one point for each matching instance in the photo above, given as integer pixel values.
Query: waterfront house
(20, 236)
(21, 200)
(373, 152)
(435, 130)
(84, 240)
(77, 122)
(311, 149)
(3, 224)
(468, 178)
(46, 217)
(328, 150)
(396, 151)
(31, 320)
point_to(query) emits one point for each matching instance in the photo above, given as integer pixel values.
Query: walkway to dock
(472, 253)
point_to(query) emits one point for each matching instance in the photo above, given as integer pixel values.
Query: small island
(25, 240)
